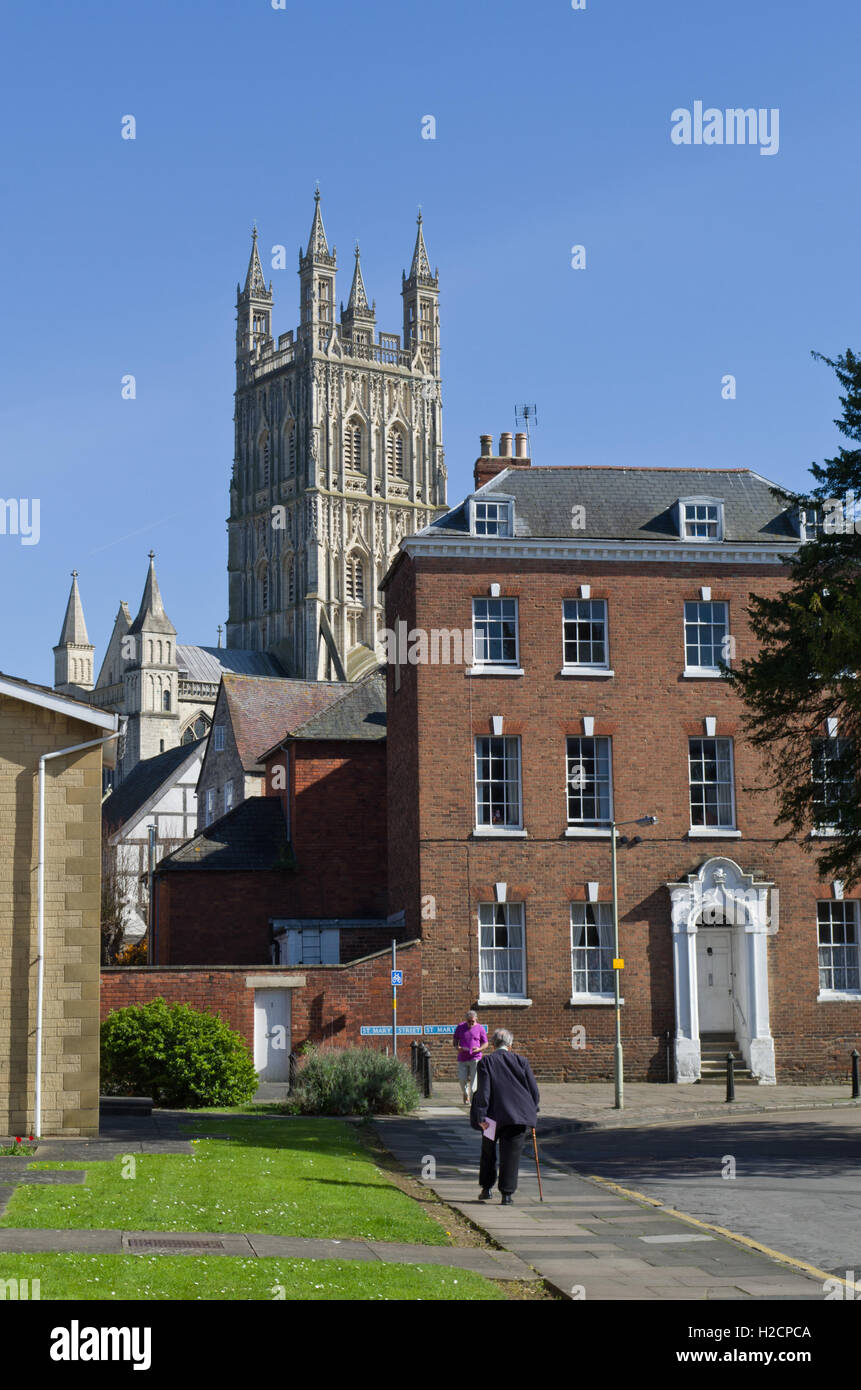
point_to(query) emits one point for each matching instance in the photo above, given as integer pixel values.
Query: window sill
(713, 832)
(510, 1001)
(577, 1001)
(491, 670)
(586, 671)
(588, 832)
(701, 673)
(846, 996)
(499, 832)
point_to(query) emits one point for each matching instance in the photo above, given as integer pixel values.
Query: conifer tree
(802, 691)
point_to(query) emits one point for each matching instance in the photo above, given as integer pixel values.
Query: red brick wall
(331, 1007)
(649, 710)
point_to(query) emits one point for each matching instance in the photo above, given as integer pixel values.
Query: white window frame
(825, 829)
(509, 829)
(810, 523)
(228, 796)
(505, 504)
(492, 998)
(600, 910)
(218, 739)
(210, 805)
(829, 991)
(710, 671)
(589, 668)
(587, 827)
(684, 503)
(484, 663)
(708, 832)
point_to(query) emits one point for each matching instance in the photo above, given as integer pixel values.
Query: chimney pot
(486, 445)
(520, 441)
(505, 446)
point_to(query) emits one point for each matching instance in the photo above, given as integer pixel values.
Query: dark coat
(506, 1091)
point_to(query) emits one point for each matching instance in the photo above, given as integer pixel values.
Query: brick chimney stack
(488, 464)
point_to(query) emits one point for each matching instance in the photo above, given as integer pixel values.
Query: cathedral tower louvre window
(353, 450)
(290, 448)
(355, 579)
(395, 453)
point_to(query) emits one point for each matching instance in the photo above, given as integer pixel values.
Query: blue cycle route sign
(397, 977)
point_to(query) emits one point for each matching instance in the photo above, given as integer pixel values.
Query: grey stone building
(338, 456)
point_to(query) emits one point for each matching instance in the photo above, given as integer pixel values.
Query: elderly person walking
(470, 1039)
(507, 1096)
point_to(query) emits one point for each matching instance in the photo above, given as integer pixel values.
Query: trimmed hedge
(178, 1055)
(353, 1081)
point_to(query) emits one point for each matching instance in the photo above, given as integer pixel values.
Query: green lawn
(265, 1175)
(226, 1278)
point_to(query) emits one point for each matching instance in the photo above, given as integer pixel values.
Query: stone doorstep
(75, 1177)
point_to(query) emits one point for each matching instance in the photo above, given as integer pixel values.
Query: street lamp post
(618, 1066)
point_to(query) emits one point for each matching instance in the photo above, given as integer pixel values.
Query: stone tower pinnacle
(73, 655)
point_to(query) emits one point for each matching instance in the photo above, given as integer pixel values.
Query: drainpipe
(40, 933)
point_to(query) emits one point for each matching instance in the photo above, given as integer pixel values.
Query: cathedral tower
(338, 454)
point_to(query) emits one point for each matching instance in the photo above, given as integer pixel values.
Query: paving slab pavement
(585, 1241)
(493, 1264)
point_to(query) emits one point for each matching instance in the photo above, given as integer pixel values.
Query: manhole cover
(190, 1244)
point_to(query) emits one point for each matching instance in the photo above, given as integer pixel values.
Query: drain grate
(168, 1244)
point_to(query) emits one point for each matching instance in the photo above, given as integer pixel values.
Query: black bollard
(856, 1090)
(413, 1062)
(730, 1076)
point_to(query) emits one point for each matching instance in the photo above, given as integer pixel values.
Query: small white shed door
(272, 1034)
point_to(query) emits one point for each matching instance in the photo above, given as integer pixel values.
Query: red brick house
(296, 876)
(594, 607)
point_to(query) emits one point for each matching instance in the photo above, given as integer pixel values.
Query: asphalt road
(797, 1183)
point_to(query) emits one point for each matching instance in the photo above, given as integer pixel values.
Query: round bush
(175, 1054)
(354, 1081)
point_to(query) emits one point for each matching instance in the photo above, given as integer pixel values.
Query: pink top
(470, 1040)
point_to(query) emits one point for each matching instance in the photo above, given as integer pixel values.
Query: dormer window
(700, 519)
(492, 518)
(809, 523)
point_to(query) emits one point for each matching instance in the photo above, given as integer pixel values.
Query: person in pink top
(470, 1039)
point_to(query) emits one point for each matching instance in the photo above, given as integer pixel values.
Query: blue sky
(552, 130)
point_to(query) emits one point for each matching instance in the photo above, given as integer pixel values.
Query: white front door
(714, 980)
(272, 1034)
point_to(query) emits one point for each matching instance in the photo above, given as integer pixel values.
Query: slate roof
(253, 836)
(359, 714)
(144, 781)
(210, 663)
(263, 710)
(630, 503)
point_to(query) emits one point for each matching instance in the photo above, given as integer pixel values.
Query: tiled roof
(210, 663)
(630, 503)
(144, 781)
(359, 714)
(264, 710)
(253, 836)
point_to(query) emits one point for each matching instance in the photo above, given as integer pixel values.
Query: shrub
(354, 1081)
(179, 1056)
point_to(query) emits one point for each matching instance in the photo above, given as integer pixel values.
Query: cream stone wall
(70, 1044)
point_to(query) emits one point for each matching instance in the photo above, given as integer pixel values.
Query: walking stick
(537, 1165)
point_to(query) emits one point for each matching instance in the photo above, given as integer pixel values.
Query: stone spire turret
(359, 314)
(73, 655)
(253, 307)
(420, 290)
